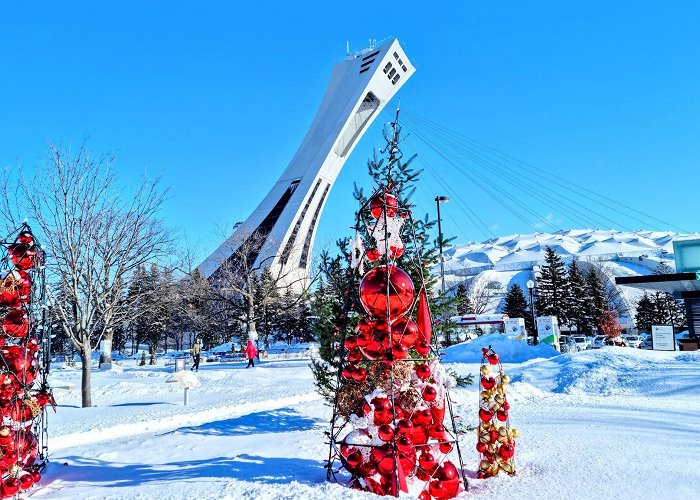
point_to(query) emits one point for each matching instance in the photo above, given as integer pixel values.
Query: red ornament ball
(23, 256)
(488, 383)
(385, 432)
(502, 415)
(404, 427)
(493, 358)
(422, 348)
(387, 282)
(373, 255)
(16, 323)
(405, 331)
(10, 486)
(485, 415)
(399, 351)
(396, 251)
(378, 203)
(422, 371)
(506, 451)
(445, 447)
(26, 238)
(26, 481)
(429, 393)
(447, 471)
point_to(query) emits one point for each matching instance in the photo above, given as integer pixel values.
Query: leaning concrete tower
(280, 233)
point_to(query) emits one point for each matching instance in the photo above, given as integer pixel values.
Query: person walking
(251, 351)
(196, 354)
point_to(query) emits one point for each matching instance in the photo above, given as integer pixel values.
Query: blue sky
(216, 98)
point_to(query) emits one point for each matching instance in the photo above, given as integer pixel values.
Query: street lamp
(530, 286)
(439, 200)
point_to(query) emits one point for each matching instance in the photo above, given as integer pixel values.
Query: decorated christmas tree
(495, 437)
(24, 357)
(392, 428)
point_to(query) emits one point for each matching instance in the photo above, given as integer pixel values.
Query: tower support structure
(280, 232)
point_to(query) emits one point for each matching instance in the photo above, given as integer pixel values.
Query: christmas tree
(392, 427)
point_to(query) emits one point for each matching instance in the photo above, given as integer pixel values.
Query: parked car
(582, 342)
(567, 344)
(598, 342)
(633, 340)
(645, 344)
(616, 341)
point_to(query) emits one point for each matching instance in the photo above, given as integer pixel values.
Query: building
(280, 233)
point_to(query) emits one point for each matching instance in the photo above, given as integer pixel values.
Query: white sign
(515, 328)
(548, 331)
(187, 379)
(662, 338)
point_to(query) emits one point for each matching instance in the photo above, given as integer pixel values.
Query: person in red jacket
(251, 352)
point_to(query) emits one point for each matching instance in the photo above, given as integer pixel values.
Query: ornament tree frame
(25, 345)
(382, 354)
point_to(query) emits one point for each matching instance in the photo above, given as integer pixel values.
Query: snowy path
(614, 423)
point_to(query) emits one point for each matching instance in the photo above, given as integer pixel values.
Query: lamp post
(530, 286)
(439, 200)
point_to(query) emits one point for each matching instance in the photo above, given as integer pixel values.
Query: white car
(582, 342)
(598, 342)
(633, 340)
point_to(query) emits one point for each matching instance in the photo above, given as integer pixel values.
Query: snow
(607, 423)
(508, 349)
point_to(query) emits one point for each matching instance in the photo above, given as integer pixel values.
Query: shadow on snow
(270, 470)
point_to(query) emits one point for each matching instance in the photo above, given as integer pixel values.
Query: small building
(683, 284)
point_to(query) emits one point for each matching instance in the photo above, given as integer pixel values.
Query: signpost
(548, 331)
(186, 379)
(662, 338)
(515, 328)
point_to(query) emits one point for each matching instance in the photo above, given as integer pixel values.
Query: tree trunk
(85, 358)
(106, 352)
(252, 332)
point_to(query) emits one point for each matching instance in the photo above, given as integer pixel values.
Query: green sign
(697, 275)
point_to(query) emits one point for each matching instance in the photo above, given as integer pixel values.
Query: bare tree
(482, 295)
(95, 240)
(247, 289)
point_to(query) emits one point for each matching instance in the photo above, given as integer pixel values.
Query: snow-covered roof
(515, 249)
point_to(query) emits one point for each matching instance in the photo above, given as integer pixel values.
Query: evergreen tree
(515, 304)
(341, 282)
(463, 304)
(553, 288)
(334, 296)
(647, 314)
(580, 303)
(659, 308)
(596, 304)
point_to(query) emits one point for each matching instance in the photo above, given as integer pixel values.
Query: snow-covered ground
(611, 423)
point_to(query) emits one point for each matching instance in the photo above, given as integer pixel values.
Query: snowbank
(614, 371)
(509, 350)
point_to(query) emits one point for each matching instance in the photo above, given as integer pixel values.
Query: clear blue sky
(216, 98)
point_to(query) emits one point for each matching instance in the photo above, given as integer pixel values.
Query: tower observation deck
(280, 233)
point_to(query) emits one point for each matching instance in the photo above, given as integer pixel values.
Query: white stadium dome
(489, 268)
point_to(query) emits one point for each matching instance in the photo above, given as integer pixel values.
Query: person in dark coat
(251, 351)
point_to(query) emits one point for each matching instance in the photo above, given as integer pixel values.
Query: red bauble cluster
(495, 437)
(401, 444)
(20, 401)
